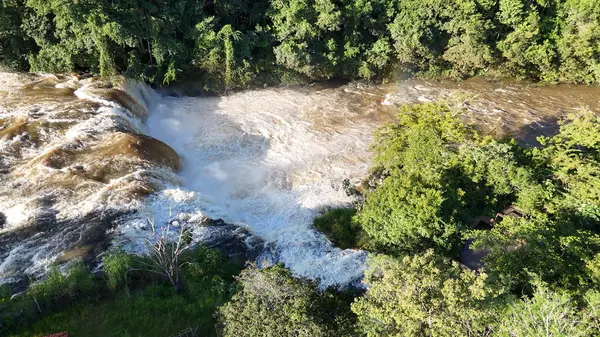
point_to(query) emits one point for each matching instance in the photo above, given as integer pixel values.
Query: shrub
(117, 270)
(340, 227)
(270, 302)
(58, 290)
(425, 295)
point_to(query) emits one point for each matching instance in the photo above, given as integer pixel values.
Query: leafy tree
(270, 302)
(407, 209)
(558, 252)
(529, 48)
(578, 45)
(340, 227)
(470, 28)
(304, 31)
(269, 40)
(546, 313)
(425, 295)
(417, 34)
(14, 41)
(437, 175)
(572, 159)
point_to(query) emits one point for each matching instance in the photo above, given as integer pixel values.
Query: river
(84, 166)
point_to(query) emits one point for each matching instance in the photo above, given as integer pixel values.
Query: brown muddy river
(83, 165)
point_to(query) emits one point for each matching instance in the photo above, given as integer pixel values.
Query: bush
(340, 228)
(425, 295)
(550, 312)
(270, 302)
(117, 270)
(76, 302)
(59, 290)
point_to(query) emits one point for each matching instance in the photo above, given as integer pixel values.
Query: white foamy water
(269, 161)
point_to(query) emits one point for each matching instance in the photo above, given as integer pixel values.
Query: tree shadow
(527, 134)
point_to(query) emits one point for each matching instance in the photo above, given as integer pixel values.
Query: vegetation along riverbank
(238, 43)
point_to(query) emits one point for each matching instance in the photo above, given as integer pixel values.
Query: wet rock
(142, 147)
(2, 220)
(83, 238)
(109, 92)
(236, 243)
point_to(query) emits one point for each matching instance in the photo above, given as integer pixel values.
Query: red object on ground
(59, 334)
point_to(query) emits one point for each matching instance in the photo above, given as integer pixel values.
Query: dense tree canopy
(425, 295)
(433, 178)
(437, 176)
(270, 302)
(236, 43)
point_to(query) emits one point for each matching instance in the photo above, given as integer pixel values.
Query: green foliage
(407, 209)
(80, 303)
(117, 270)
(425, 295)
(546, 313)
(5, 293)
(560, 253)
(59, 289)
(229, 44)
(433, 177)
(14, 41)
(437, 175)
(558, 240)
(270, 302)
(573, 159)
(340, 227)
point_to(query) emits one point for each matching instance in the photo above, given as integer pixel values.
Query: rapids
(85, 165)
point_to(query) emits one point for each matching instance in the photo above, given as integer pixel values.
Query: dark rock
(236, 243)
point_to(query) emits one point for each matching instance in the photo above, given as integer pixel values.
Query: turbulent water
(84, 164)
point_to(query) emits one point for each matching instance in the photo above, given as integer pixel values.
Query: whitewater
(270, 161)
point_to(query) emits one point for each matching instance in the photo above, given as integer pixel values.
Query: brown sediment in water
(140, 146)
(14, 128)
(32, 129)
(115, 155)
(67, 159)
(76, 253)
(109, 92)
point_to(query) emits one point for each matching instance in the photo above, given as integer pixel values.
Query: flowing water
(85, 165)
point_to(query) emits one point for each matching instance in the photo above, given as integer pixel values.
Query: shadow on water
(527, 134)
(46, 237)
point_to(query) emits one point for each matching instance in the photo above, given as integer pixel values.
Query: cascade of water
(269, 161)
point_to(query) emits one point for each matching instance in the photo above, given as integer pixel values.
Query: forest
(228, 44)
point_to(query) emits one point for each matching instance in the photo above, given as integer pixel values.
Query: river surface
(85, 166)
